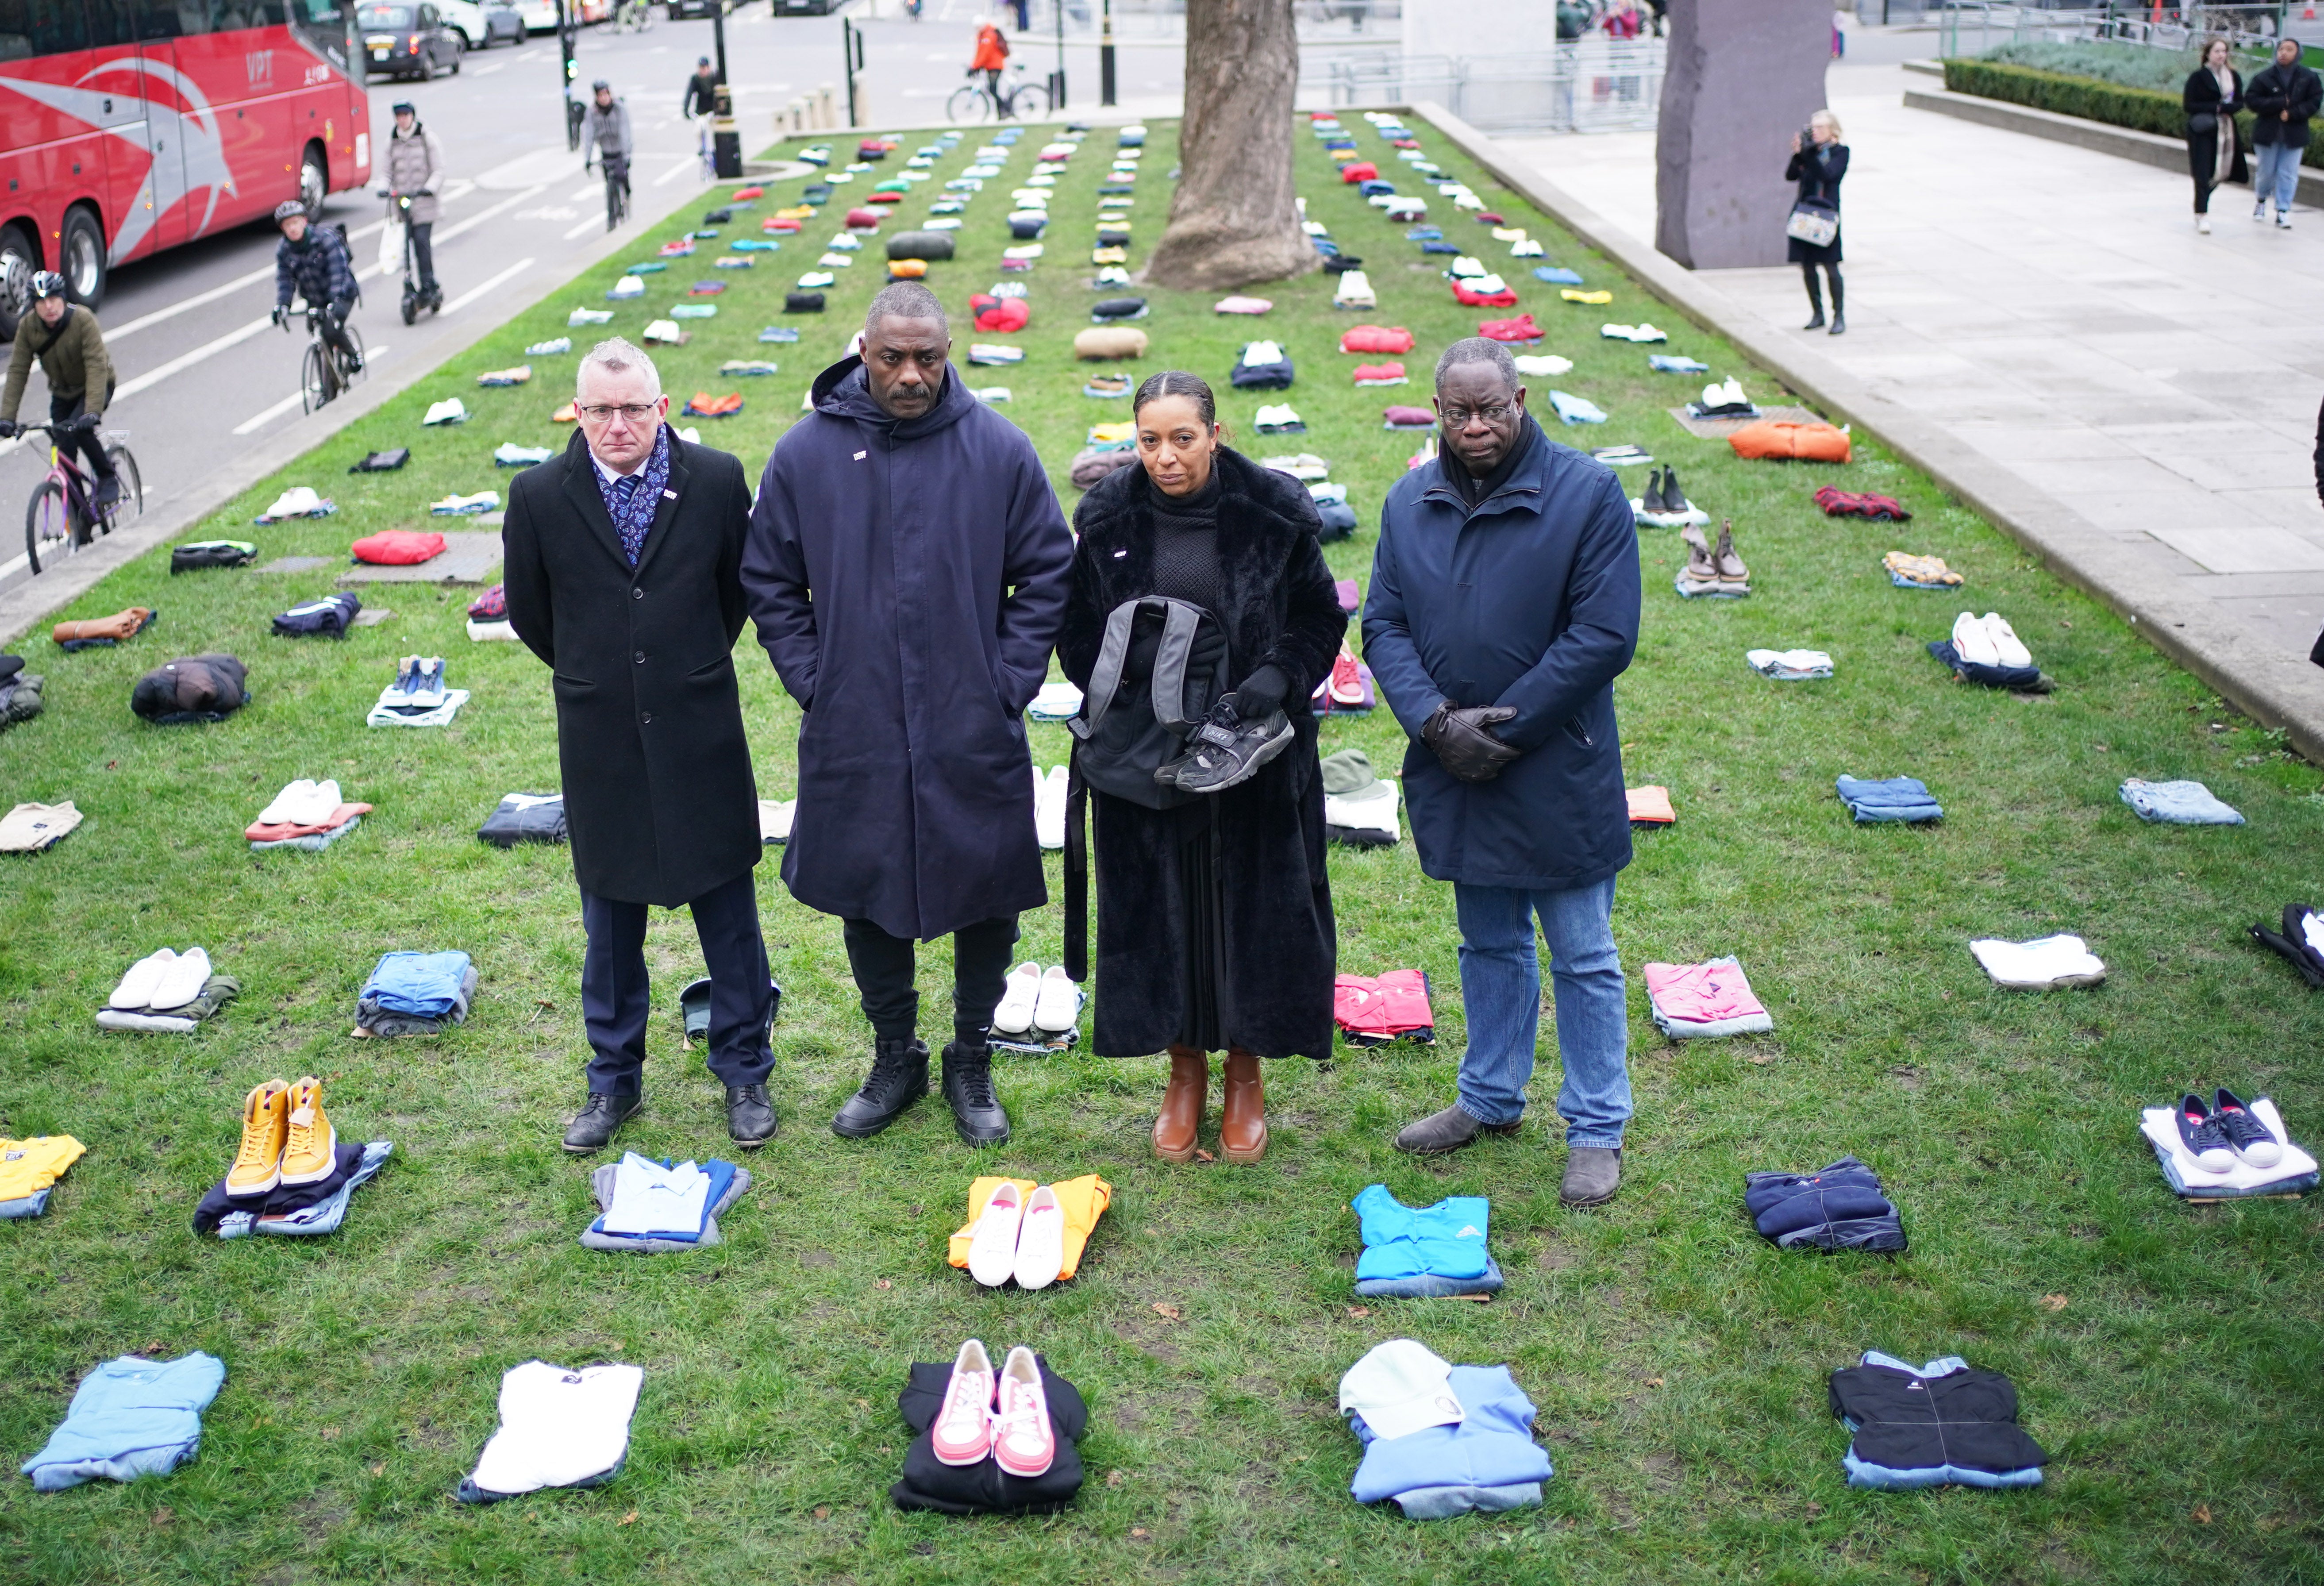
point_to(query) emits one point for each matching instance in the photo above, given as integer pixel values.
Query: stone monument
(1744, 76)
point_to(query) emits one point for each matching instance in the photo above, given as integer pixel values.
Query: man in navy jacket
(1504, 603)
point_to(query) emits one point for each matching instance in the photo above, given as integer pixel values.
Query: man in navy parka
(907, 568)
(1504, 603)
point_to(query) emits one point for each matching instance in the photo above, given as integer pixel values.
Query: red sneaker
(1024, 1443)
(1347, 688)
(962, 1433)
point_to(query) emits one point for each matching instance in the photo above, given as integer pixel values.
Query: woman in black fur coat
(1214, 918)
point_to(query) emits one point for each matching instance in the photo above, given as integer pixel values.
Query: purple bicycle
(62, 517)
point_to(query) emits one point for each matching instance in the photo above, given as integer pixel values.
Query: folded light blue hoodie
(130, 1417)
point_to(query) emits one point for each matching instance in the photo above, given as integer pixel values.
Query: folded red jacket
(398, 547)
(1359, 170)
(778, 223)
(1521, 328)
(868, 217)
(1379, 373)
(885, 198)
(1377, 338)
(341, 817)
(1409, 418)
(1382, 1008)
(999, 315)
(1491, 217)
(1849, 503)
(743, 193)
(1503, 299)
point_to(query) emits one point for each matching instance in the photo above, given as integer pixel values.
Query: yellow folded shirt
(1109, 257)
(29, 1166)
(1082, 1200)
(1571, 295)
(1112, 434)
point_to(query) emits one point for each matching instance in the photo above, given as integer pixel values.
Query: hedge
(2089, 99)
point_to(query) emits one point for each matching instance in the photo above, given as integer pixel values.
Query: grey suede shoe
(1448, 1131)
(1592, 1174)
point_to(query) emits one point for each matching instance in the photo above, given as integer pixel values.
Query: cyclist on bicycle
(415, 165)
(605, 134)
(701, 91)
(71, 350)
(311, 262)
(992, 59)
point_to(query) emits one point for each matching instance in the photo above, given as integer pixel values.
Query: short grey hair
(1478, 349)
(614, 354)
(906, 299)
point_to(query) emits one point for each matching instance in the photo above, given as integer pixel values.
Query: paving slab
(2135, 401)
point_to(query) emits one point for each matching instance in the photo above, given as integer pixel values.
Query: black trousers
(1000, 94)
(883, 966)
(616, 997)
(423, 252)
(335, 325)
(1839, 288)
(88, 443)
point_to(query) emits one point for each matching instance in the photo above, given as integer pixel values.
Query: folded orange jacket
(283, 829)
(123, 624)
(1082, 1200)
(1806, 443)
(1651, 805)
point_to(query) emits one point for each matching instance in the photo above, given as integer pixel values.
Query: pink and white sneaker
(1347, 684)
(1024, 1443)
(962, 1433)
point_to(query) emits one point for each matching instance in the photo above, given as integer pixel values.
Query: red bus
(127, 126)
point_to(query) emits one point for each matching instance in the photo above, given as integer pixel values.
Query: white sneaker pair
(1989, 640)
(162, 980)
(1033, 1000)
(302, 803)
(1018, 1236)
(1049, 806)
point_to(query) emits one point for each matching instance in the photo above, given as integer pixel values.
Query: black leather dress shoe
(899, 1077)
(976, 1111)
(593, 1127)
(749, 1116)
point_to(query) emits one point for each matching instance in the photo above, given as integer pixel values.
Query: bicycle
(633, 16)
(974, 101)
(617, 188)
(325, 371)
(62, 518)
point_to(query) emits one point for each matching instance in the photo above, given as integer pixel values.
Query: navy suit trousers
(616, 997)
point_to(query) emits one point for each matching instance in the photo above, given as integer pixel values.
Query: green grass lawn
(1678, 1361)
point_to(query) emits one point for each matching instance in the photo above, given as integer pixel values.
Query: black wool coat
(2276, 91)
(907, 576)
(1280, 946)
(659, 796)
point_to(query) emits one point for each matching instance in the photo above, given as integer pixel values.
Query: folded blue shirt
(1447, 1240)
(421, 985)
(720, 1174)
(130, 1417)
(1492, 1445)
(1556, 275)
(1891, 798)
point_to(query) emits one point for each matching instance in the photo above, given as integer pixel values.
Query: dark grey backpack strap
(1105, 676)
(1179, 623)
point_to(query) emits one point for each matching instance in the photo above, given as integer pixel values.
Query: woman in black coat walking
(2214, 93)
(1818, 163)
(1214, 918)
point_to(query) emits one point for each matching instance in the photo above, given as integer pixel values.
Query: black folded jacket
(799, 302)
(2292, 946)
(1978, 672)
(717, 217)
(512, 822)
(1118, 308)
(206, 553)
(1840, 1207)
(194, 689)
(328, 617)
(1275, 376)
(1025, 231)
(920, 245)
(984, 1488)
(345, 1157)
(382, 462)
(1966, 1418)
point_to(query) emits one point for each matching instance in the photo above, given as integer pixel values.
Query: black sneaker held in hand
(1226, 750)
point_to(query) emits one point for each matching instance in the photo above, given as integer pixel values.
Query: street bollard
(826, 112)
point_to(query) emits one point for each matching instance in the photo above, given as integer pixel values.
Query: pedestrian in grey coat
(415, 169)
(907, 569)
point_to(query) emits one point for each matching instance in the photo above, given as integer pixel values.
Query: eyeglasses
(635, 412)
(1458, 417)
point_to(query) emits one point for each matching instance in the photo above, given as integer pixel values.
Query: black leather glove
(9, 430)
(1262, 693)
(1464, 743)
(1145, 645)
(281, 312)
(1207, 654)
(88, 423)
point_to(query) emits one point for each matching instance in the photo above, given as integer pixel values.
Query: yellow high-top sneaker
(309, 1153)
(265, 1125)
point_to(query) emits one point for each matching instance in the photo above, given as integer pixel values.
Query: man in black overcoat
(907, 569)
(624, 574)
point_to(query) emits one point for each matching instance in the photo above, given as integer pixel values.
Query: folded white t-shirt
(649, 1198)
(2041, 964)
(558, 1427)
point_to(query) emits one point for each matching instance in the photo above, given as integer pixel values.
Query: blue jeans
(2278, 173)
(1500, 995)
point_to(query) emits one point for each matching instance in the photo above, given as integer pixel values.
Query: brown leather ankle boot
(1242, 1120)
(1180, 1122)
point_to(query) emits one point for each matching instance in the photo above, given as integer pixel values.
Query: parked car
(803, 7)
(539, 16)
(482, 26)
(682, 9)
(408, 40)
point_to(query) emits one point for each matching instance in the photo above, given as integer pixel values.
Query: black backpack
(1122, 736)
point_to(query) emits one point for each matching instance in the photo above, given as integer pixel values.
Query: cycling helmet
(601, 86)
(287, 208)
(403, 107)
(47, 283)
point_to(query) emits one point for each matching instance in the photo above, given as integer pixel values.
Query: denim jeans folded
(1441, 1503)
(2178, 804)
(1430, 1286)
(322, 1217)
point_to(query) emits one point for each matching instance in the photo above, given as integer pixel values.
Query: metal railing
(1972, 27)
(1591, 85)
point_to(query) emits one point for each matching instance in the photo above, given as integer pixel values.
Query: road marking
(177, 366)
(488, 70)
(577, 230)
(372, 355)
(689, 162)
(465, 299)
(591, 191)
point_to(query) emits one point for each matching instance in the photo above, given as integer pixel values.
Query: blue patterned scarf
(633, 499)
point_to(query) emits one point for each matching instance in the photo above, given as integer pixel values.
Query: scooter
(414, 300)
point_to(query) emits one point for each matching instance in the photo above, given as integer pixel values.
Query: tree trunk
(1235, 218)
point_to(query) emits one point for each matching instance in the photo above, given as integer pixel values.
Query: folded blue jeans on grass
(130, 1417)
(322, 1217)
(1441, 1503)
(426, 985)
(1428, 1285)
(2178, 804)
(1880, 1478)
(1891, 798)
(1978, 672)
(31, 1205)
(1667, 363)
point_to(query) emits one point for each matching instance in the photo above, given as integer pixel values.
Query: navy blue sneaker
(2206, 1139)
(2247, 1137)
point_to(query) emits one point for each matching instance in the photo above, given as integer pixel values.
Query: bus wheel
(314, 183)
(81, 252)
(20, 257)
